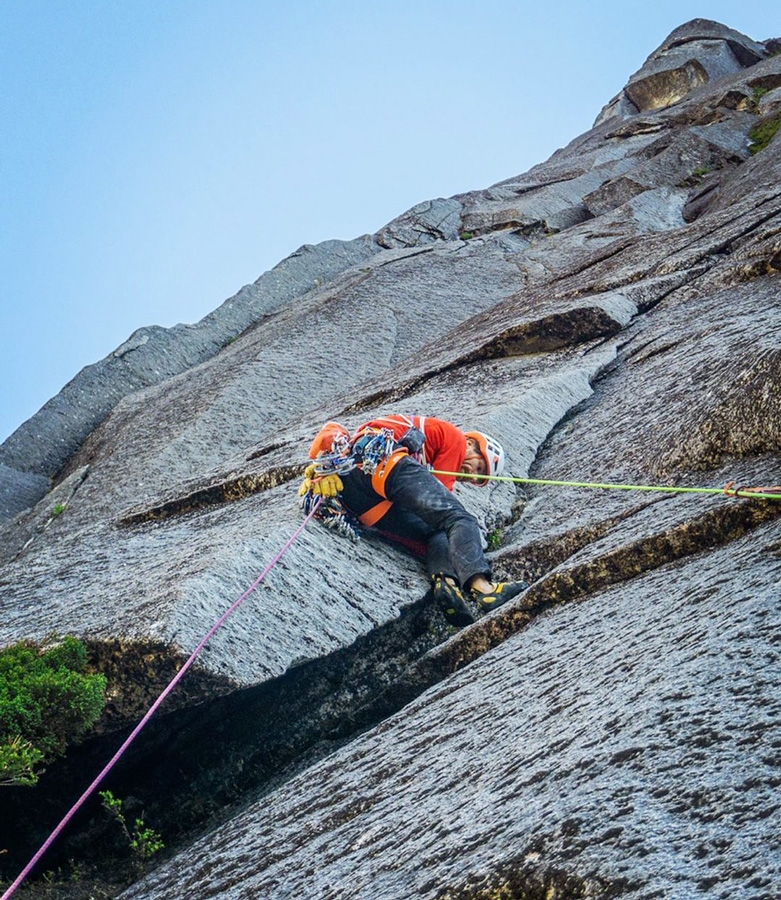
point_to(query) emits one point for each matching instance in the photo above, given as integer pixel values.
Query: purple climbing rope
(153, 709)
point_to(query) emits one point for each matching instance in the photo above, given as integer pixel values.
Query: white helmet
(491, 451)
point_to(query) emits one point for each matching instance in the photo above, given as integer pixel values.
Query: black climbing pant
(425, 517)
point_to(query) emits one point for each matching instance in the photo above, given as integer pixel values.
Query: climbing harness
(155, 706)
(374, 450)
(758, 493)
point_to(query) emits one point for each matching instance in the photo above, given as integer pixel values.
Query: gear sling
(376, 450)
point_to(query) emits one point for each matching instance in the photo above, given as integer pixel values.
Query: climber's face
(473, 463)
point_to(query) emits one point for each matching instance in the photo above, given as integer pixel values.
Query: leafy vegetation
(47, 700)
(763, 133)
(494, 539)
(143, 841)
(18, 759)
(759, 92)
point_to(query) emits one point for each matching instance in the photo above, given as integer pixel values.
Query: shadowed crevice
(717, 527)
(227, 491)
(543, 335)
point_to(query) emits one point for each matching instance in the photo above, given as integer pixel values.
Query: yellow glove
(306, 484)
(325, 485)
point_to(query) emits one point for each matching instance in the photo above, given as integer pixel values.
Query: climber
(380, 476)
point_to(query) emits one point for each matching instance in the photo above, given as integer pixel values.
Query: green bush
(46, 701)
(762, 134)
(18, 759)
(143, 841)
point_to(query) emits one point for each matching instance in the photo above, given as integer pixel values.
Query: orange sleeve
(397, 424)
(445, 448)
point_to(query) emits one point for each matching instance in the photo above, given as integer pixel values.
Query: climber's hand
(327, 485)
(323, 485)
(306, 484)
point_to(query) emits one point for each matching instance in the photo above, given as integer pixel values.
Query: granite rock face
(43, 444)
(612, 316)
(19, 490)
(695, 54)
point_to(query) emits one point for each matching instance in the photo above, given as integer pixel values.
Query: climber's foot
(499, 595)
(451, 601)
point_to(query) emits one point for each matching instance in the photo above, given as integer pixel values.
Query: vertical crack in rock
(564, 585)
(18, 536)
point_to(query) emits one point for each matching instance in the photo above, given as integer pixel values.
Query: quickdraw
(368, 451)
(331, 513)
(339, 460)
(740, 491)
(372, 448)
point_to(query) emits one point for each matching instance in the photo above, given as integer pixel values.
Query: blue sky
(156, 155)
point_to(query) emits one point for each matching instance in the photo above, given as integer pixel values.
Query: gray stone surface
(678, 71)
(19, 490)
(45, 443)
(630, 738)
(699, 52)
(683, 161)
(746, 50)
(770, 102)
(611, 316)
(425, 223)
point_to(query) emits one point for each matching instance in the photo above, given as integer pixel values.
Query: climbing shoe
(500, 594)
(451, 601)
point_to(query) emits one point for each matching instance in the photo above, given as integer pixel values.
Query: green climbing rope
(729, 491)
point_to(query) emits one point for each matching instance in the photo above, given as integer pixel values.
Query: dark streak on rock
(223, 492)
